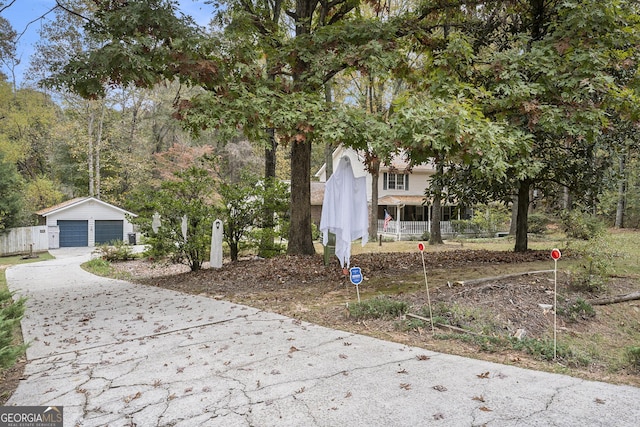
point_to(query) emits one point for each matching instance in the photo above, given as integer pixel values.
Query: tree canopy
(505, 96)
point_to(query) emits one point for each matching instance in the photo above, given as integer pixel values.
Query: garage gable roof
(77, 202)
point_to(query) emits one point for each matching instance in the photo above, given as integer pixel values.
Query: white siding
(91, 211)
(418, 182)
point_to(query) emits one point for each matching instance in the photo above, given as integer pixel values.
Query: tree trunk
(329, 146)
(374, 170)
(435, 234)
(567, 202)
(90, 150)
(97, 153)
(614, 300)
(266, 243)
(521, 221)
(300, 240)
(622, 193)
(514, 215)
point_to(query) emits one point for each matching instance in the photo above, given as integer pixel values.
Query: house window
(395, 181)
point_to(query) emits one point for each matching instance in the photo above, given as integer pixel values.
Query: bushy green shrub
(115, 251)
(11, 311)
(462, 226)
(315, 232)
(591, 272)
(537, 223)
(579, 225)
(265, 240)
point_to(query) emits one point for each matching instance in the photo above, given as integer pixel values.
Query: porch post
(398, 221)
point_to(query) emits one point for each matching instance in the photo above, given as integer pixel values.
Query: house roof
(399, 163)
(401, 200)
(76, 202)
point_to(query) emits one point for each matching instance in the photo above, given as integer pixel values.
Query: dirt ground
(306, 289)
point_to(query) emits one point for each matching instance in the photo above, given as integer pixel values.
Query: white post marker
(424, 268)
(356, 278)
(215, 258)
(555, 254)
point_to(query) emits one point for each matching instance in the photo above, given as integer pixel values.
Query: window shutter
(384, 181)
(406, 182)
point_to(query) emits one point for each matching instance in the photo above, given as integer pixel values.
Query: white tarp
(344, 210)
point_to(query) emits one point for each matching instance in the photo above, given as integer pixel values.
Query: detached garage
(85, 221)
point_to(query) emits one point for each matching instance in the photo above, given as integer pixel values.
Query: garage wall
(91, 211)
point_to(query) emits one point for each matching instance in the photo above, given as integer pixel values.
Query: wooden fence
(24, 240)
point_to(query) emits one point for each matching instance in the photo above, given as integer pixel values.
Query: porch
(411, 229)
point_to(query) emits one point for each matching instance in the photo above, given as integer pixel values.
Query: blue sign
(356, 275)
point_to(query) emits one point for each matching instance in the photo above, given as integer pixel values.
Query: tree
(241, 205)
(185, 200)
(41, 193)
(143, 43)
(7, 44)
(552, 79)
(10, 194)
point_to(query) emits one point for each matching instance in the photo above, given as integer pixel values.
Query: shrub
(460, 226)
(578, 309)
(11, 311)
(537, 223)
(592, 271)
(265, 240)
(579, 225)
(426, 235)
(116, 251)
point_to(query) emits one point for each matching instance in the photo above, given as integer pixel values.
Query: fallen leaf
(405, 386)
(439, 388)
(479, 398)
(484, 375)
(599, 401)
(485, 409)
(132, 397)
(423, 357)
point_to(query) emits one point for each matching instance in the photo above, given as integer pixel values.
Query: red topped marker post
(555, 255)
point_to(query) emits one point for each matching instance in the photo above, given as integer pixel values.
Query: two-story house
(400, 194)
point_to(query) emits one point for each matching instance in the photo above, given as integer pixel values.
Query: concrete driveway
(114, 353)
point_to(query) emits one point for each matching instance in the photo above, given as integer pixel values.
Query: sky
(24, 16)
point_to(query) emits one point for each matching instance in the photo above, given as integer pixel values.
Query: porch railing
(411, 228)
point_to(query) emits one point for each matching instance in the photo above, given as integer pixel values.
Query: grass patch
(378, 308)
(104, 268)
(633, 357)
(99, 267)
